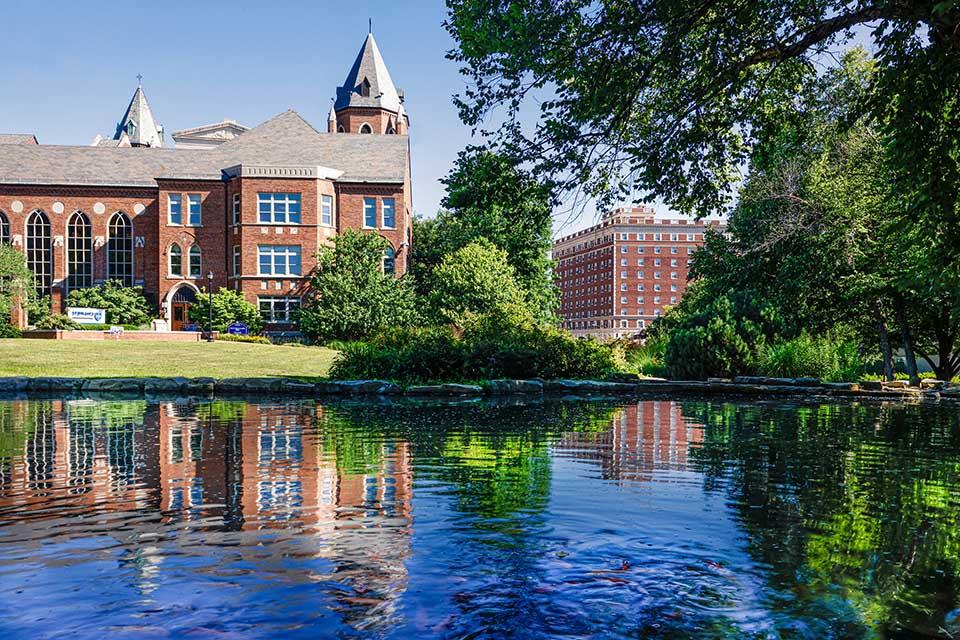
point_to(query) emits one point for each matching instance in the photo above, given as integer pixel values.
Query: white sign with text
(87, 315)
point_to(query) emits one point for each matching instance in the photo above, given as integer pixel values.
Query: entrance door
(180, 308)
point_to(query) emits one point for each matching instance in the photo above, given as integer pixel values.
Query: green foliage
(350, 296)
(56, 321)
(720, 336)
(228, 337)
(124, 305)
(647, 359)
(830, 358)
(229, 306)
(475, 279)
(489, 196)
(503, 344)
(16, 285)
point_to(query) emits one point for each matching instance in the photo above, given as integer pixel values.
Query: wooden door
(179, 315)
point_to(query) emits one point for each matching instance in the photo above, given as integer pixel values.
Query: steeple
(332, 119)
(137, 126)
(368, 101)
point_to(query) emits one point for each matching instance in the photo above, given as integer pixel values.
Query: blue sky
(70, 68)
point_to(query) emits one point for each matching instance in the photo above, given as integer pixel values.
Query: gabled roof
(286, 140)
(368, 66)
(18, 138)
(144, 131)
(211, 129)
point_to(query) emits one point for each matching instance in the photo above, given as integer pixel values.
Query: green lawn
(136, 359)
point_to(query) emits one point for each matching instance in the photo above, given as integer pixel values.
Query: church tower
(137, 127)
(368, 102)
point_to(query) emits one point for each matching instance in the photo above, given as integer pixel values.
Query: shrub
(124, 305)
(229, 306)
(56, 321)
(229, 337)
(827, 357)
(16, 285)
(502, 344)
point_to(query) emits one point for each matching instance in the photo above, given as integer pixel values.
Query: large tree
(490, 196)
(350, 296)
(669, 96)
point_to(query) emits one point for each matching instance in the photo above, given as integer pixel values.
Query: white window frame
(171, 198)
(366, 201)
(286, 198)
(286, 250)
(194, 198)
(326, 210)
(273, 302)
(236, 209)
(383, 212)
(237, 261)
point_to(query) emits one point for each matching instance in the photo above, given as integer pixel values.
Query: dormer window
(131, 128)
(365, 88)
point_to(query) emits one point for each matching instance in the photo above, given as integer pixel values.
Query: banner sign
(87, 315)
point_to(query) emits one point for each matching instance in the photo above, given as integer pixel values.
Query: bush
(56, 321)
(16, 286)
(828, 357)
(124, 305)
(502, 344)
(229, 306)
(229, 337)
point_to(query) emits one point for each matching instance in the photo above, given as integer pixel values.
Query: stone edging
(753, 387)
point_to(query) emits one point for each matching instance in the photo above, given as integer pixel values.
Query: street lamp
(209, 306)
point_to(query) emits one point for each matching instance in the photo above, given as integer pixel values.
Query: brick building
(249, 207)
(618, 275)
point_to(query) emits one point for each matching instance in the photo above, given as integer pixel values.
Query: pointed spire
(138, 124)
(332, 119)
(368, 84)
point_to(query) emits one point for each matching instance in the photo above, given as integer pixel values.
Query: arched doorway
(180, 303)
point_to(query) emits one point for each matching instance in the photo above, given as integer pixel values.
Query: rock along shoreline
(246, 387)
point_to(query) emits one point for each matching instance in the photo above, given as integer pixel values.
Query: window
(174, 209)
(656, 237)
(639, 287)
(656, 262)
(278, 308)
(196, 263)
(278, 260)
(365, 128)
(39, 252)
(673, 250)
(194, 213)
(624, 249)
(389, 218)
(278, 208)
(656, 287)
(326, 210)
(176, 261)
(365, 88)
(79, 252)
(656, 275)
(4, 229)
(236, 260)
(673, 275)
(389, 261)
(639, 249)
(656, 249)
(623, 262)
(236, 208)
(120, 249)
(370, 213)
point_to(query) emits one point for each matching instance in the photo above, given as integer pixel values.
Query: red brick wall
(350, 205)
(352, 118)
(85, 199)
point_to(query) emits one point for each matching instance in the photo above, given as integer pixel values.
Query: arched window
(4, 229)
(365, 88)
(390, 129)
(79, 252)
(340, 129)
(196, 267)
(39, 252)
(120, 249)
(389, 261)
(176, 261)
(365, 128)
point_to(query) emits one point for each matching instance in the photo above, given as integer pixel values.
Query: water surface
(656, 519)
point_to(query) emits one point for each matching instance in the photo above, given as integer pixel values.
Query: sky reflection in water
(656, 519)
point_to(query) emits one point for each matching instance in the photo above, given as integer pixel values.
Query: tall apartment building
(618, 275)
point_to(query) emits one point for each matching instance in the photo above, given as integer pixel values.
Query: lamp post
(209, 306)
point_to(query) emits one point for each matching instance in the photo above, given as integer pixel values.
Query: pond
(403, 519)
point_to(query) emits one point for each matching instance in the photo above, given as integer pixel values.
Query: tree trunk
(885, 349)
(910, 356)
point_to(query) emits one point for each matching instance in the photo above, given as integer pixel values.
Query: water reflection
(656, 519)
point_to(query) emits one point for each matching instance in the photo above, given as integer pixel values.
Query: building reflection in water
(220, 467)
(644, 437)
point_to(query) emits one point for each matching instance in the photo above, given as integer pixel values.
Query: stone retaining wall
(753, 387)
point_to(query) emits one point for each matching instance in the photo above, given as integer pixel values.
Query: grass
(107, 359)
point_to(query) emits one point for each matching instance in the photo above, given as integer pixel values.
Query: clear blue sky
(69, 67)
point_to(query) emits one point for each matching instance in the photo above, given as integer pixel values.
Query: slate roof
(370, 65)
(285, 140)
(18, 138)
(145, 131)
